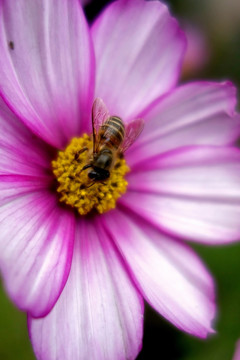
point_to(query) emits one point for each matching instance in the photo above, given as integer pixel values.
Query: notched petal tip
(199, 196)
(170, 276)
(36, 252)
(153, 52)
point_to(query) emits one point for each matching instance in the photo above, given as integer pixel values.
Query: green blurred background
(217, 22)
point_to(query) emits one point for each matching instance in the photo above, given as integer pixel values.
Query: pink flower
(84, 277)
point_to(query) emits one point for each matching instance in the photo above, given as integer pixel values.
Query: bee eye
(92, 174)
(108, 162)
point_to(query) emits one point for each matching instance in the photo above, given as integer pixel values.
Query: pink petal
(99, 314)
(237, 351)
(193, 193)
(47, 66)
(84, 2)
(14, 186)
(193, 114)
(169, 274)
(21, 152)
(36, 240)
(139, 49)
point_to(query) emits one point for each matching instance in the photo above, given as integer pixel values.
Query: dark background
(218, 25)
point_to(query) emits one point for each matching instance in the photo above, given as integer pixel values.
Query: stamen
(75, 187)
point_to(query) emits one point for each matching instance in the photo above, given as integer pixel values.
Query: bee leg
(86, 167)
(93, 183)
(80, 152)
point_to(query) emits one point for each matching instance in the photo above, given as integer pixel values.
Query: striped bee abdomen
(112, 132)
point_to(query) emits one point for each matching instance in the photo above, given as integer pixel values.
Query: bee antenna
(93, 183)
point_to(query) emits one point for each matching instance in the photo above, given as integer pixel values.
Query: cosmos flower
(82, 278)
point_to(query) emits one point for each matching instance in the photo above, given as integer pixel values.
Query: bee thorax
(103, 160)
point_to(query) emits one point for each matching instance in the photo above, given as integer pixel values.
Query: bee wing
(132, 131)
(99, 115)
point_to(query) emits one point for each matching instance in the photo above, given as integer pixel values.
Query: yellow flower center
(77, 189)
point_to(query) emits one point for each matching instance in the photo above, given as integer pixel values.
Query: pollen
(74, 186)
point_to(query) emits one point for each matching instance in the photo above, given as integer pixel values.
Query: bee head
(98, 174)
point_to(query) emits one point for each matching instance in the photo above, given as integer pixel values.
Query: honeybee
(111, 138)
